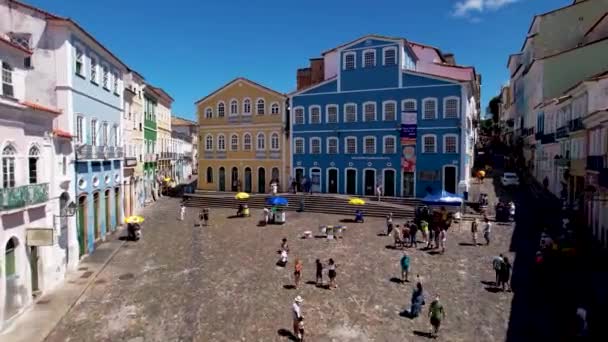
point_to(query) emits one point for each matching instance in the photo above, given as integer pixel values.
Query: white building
(185, 139)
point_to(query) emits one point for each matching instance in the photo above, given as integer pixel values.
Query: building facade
(151, 186)
(133, 142)
(378, 119)
(243, 138)
(166, 158)
(185, 137)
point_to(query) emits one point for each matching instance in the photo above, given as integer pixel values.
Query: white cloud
(464, 8)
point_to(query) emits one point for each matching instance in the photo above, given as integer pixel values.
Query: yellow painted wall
(240, 124)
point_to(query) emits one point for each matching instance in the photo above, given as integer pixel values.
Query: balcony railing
(595, 163)
(85, 152)
(119, 152)
(561, 132)
(110, 152)
(150, 157)
(603, 177)
(547, 138)
(22, 196)
(575, 124)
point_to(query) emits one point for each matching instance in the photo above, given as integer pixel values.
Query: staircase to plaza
(316, 203)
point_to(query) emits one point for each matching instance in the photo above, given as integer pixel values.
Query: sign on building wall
(40, 237)
(408, 141)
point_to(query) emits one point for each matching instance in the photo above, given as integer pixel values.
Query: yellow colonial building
(243, 141)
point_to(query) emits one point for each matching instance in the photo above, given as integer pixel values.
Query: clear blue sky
(192, 47)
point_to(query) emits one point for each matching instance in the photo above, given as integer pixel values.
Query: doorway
(449, 179)
(96, 223)
(407, 189)
(116, 208)
(299, 177)
(108, 212)
(82, 224)
(235, 179)
(248, 180)
(389, 183)
(11, 273)
(34, 263)
(351, 181)
(332, 181)
(369, 182)
(222, 179)
(262, 180)
(315, 180)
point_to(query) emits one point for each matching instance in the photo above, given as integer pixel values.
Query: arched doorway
(247, 179)
(82, 225)
(261, 180)
(351, 181)
(235, 179)
(222, 181)
(108, 211)
(389, 183)
(332, 181)
(96, 220)
(14, 299)
(315, 180)
(275, 177)
(299, 177)
(369, 182)
(449, 178)
(64, 200)
(117, 207)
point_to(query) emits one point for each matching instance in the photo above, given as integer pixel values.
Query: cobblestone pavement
(220, 283)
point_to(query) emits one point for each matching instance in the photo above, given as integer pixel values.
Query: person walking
(297, 316)
(379, 192)
(205, 216)
(497, 263)
(443, 236)
(487, 230)
(413, 233)
(405, 267)
(331, 267)
(389, 224)
(417, 301)
(182, 212)
(424, 226)
(297, 273)
(436, 315)
(319, 272)
(474, 228)
(505, 274)
(201, 217)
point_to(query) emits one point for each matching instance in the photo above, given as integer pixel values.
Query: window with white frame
(209, 143)
(430, 109)
(234, 142)
(221, 142)
(274, 108)
(369, 111)
(7, 80)
(450, 143)
(450, 108)
(33, 162)
(106, 77)
(94, 132)
(298, 114)
(350, 145)
(350, 61)
(389, 112)
(332, 145)
(8, 166)
(93, 70)
(315, 114)
(408, 105)
(369, 58)
(104, 134)
(79, 68)
(208, 113)
(221, 110)
(389, 145)
(115, 78)
(390, 56)
(350, 112)
(429, 143)
(261, 142)
(369, 145)
(79, 129)
(247, 107)
(274, 141)
(315, 145)
(115, 135)
(332, 113)
(247, 142)
(298, 146)
(261, 107)
(234, 107)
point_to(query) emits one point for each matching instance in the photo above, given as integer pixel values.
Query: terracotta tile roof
(15, 46)
(178, 121)
(235, 80)
(62, 134)
(40, 107)
(160, 91)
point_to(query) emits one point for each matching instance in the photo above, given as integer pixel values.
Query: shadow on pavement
(287, 333)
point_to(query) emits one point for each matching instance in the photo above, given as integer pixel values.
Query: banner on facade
(40, 237)
(408, 118)
(408, 154)
(408, 131)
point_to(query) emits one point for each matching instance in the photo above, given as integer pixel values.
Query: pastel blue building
(97, 104)
(381, 116)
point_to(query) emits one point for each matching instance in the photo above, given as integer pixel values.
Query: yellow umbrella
(356, 201)
(242, 196)
(134, 219)
(167, 179)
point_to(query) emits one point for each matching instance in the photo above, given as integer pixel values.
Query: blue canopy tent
(274, 201)
(443, 198)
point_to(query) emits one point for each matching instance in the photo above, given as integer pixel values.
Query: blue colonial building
(96, 101)
(379, 114)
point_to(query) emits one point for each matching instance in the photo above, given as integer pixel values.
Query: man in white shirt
(297, 316)
(487, 230)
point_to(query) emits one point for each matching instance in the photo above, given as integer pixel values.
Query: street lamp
(70, 210)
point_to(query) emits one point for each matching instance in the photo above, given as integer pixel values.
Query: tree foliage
(494, 107)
